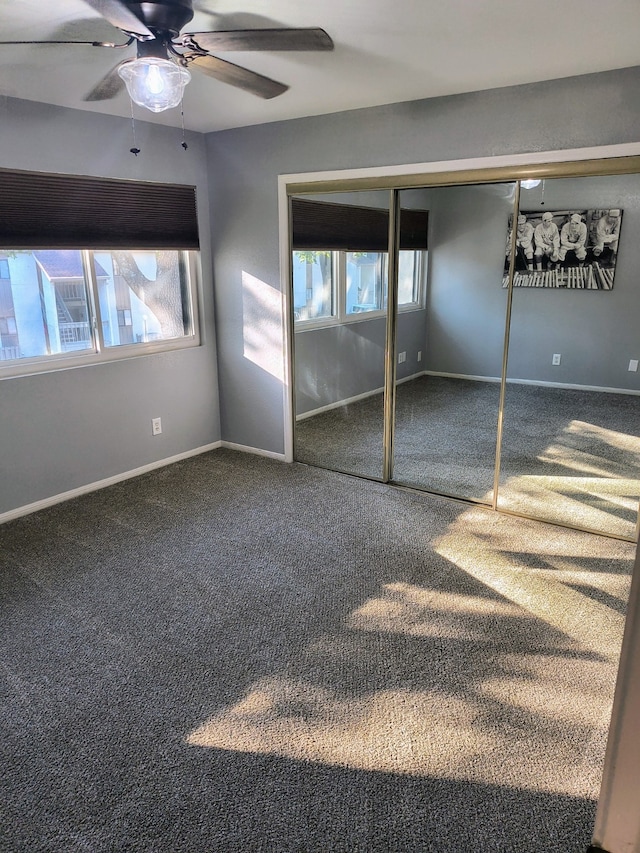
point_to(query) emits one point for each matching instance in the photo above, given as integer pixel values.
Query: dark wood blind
(43, 211)
(344, 227)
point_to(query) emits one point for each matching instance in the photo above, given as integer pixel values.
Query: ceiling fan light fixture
(155, 83)
(530, 183)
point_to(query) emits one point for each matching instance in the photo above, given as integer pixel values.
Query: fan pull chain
(542, 196)
(135, 150)
(184, 142)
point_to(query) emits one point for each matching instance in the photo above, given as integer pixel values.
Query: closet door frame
(578, 164)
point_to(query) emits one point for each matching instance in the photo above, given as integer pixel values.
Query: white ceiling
(385, 51)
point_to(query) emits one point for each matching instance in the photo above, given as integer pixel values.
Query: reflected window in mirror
(313, 285)
(334, 287)
(366, 282)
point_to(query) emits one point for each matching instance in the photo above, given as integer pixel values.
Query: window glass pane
(143, 296)
(313, 285)
(44, 306)
(366, 285)
(408, 278)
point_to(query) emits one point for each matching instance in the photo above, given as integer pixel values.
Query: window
(340, 261)
(124, 317)
(331, 287)
(143, 296)
(8, 330)
(366, 282)
(127, 285)
(71, 305)
(411, 272)
(314, 285)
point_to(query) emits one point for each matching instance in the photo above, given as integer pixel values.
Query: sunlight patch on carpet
(419, 611)
(413, 732)
(592, 625)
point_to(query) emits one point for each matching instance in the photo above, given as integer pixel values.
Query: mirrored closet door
(507, 371)
(450, 346)
(340, 285)
(571, 431)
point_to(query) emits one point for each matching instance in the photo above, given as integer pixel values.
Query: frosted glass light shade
(530, 183)
(154, 83)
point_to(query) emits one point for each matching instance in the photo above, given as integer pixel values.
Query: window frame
(99, 352)
(339, 284)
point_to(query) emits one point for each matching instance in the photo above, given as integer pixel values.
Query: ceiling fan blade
(312, 38)
(110, 86)
(121, 17)
(235, 75)
(83, 43)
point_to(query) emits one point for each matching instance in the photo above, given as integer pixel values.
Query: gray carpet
(567, 455)
(235, 654)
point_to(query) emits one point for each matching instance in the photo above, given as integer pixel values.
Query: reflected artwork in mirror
(570, 249)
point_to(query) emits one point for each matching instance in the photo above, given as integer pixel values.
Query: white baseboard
(409, 378)
(601, 388)
(101, 484)
(339, 403)
(537, 382)
(257, 451)
(462, 376)
(356, 398)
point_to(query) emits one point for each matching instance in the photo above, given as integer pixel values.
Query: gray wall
(340, 362)
(244, 165)
(66, 429)
(466, 303)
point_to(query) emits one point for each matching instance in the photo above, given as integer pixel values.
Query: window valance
(341, 227)
(53, 211)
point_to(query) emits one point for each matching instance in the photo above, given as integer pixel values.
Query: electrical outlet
(156, 426)
(419, 355)
(402, 357)
(633, 365)
(556, 359)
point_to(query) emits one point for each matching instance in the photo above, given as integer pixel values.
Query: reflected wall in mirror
(570, 442)
(339, 280)
(448, 388)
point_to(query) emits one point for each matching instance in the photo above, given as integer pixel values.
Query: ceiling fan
(156, 78)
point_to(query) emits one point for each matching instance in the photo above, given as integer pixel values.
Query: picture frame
(565, 249)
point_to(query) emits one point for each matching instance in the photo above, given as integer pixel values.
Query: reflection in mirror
(450, 347)
(339, 265)
(570, 441)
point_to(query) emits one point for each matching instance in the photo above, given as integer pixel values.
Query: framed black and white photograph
(570, 249)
